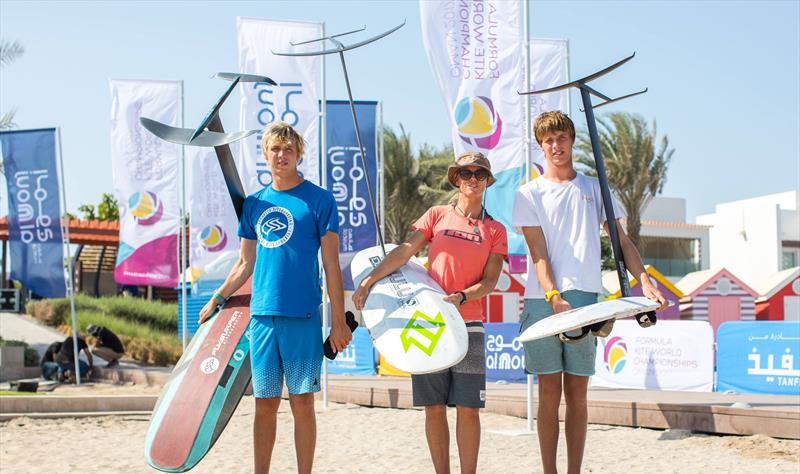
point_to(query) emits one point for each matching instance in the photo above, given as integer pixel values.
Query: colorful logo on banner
(759, 357)
(213, 238)
(505, 358)
(615, 354)
(34, 226)
(145, 207)
(478, 122)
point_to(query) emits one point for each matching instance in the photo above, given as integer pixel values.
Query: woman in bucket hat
(465, 256)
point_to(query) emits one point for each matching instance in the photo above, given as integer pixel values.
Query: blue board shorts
(549, 355)
(285, 347)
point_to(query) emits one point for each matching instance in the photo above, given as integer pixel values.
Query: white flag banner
(475, 50)
(294, 100)
(145, 174)
(214, 245)
(549, 68)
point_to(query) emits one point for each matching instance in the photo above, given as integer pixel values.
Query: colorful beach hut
(505, 303)
(779, 296)
(672, 293)
(716, 296)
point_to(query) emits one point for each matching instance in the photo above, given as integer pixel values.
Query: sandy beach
(373, 440)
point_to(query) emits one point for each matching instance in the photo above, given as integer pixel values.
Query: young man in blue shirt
(282, 229)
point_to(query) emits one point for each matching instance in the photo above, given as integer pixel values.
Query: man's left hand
(340, 335)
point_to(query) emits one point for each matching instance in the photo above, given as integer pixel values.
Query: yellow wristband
(550, 294)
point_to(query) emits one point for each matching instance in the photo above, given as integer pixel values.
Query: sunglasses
(480, 175)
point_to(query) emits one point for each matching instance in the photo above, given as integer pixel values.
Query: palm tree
(9, 51)
(412, 184)
(636, 170)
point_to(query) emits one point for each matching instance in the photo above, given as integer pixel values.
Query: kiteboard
(411, 326)
(585, 316)
(204, 389)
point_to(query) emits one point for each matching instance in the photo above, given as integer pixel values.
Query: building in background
(779, 296)
(755, 238)
(716, 296)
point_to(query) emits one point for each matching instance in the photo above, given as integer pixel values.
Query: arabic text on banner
(145, 173)
(34, 226)
(295, 100)
(347, 180)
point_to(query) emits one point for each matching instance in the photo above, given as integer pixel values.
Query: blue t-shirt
(288, 226)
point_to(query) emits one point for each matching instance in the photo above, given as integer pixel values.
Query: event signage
(679, 355)
(505, 358)
(358, 358)
(145, 175)
(34, 209)
(475, 50)
(549, 68)
(214, 243)
(759, 357)
(347, 180)
(295, 100)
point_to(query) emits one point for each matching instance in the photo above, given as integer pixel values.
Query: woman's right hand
(360, 295)
(208, 310)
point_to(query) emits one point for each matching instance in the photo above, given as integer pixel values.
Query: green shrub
(31, 356)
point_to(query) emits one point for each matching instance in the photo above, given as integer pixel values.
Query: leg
(468, 437)
(575, 388)
(547, 419)
(265, 427)
(305, 430)
(438, 434)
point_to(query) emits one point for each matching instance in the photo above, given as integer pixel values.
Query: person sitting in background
(66, 358)
(50, 368)
(107, 345)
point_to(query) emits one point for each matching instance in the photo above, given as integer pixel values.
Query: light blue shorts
(285, 347)
(550, 355)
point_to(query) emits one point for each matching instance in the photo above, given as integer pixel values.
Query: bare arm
(241, 271)
(340, 333)
(633, 262)
(491, 272)
(394, 260)
(537, 246)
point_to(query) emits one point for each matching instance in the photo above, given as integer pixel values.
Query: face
(472, 186)
(281, 157)
(557, 147)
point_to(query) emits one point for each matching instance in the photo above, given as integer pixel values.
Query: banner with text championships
(295, 100)
(145, 173)
(34, 228)
(475, 51)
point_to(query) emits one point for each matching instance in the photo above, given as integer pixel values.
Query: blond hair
(283, 132)
(554, 121)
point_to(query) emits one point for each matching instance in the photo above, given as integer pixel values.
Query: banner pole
(182, 229)
(65, 244)
(528, 111)
(323, 156)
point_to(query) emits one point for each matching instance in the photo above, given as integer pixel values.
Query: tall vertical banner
(145, 172)
(295, 100)
(347, 180)
(214, 244)
(549, 68)
(475, 50)
(34, 209)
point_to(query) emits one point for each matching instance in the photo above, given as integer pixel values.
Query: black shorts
(464, 384)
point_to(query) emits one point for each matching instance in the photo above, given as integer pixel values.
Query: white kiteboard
(577, 318)
(411, 326)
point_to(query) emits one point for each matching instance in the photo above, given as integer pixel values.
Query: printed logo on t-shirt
(460, 234)
(587, 198)
(274, 227)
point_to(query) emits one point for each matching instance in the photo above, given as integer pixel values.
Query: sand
(356, 439)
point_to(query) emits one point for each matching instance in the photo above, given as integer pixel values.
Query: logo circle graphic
(478, 122)
(213, 238)
(274, 227)
(146, 208)
(616, 353)
(209, 365)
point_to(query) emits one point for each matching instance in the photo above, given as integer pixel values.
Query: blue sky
(724, 77)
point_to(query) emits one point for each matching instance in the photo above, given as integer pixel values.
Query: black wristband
(463, 297)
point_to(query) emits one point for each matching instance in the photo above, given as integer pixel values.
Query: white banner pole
(528, 157)
(182, 252)
(68, 256)
(323, 156)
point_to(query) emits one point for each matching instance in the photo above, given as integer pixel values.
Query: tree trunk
(634, 225)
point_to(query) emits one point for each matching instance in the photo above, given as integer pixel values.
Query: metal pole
(381, 170)
(70, 288)
(530, 402)
(361, 150)
(528, 111)
(182, 230)
(323, 155)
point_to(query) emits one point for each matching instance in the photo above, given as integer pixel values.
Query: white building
(755, 238)
(670, 244)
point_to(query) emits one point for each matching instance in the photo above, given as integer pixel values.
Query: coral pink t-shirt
(457, 253)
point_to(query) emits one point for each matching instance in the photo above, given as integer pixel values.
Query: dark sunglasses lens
(480, 175)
